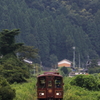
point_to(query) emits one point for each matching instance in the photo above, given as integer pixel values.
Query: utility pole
(74, 57)
(41, 65)
(79, 62)
(34, 70)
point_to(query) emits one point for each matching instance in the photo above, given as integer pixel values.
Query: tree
(53, 60)
(11, 67)
(94, 68)
(7, 41)
(94, 63)
(54, 26)
(64, 71)
(27, 52)
(6, 92)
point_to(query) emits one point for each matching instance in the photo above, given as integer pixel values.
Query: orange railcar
(50, 86)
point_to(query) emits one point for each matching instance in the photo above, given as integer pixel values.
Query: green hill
(55, 26)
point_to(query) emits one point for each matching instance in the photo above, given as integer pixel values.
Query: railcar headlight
(58, 93)
(41, 93)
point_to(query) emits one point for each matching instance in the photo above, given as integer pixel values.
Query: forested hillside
(55, 26)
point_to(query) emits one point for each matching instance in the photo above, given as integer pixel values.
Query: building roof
(65, 61)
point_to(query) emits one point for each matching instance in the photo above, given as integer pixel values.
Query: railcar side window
(42, 82)
(58, 82)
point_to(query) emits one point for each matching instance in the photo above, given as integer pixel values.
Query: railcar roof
(50, 74)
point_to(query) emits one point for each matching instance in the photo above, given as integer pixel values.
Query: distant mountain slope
(55, 26)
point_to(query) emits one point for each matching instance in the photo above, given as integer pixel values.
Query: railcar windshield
(50, 84)
(41, 82)
(58, 82)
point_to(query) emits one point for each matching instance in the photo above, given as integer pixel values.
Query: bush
(86, 81)
(64, 71)
(6, 92)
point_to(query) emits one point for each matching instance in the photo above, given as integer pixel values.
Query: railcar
(50, 86)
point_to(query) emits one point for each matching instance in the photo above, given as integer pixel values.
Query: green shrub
(64, 71)
(26, 90)
(6, 92)
(86, 81)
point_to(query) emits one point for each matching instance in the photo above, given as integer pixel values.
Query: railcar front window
(42, 83)
(49, 84)
(58, 83)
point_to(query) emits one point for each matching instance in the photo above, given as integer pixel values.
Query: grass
(78, 93)
(27, 91)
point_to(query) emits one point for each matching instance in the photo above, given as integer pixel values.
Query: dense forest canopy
(55, 26)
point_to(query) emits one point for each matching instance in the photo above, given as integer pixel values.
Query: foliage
(64, 71)
(6, 92)
(27, 91)
(13, 69)
(27, 52)
(86, 81)
(94, 70)
(53, 60)
(7, 41)
(54, 27)
(94, 63)
(93, 67)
